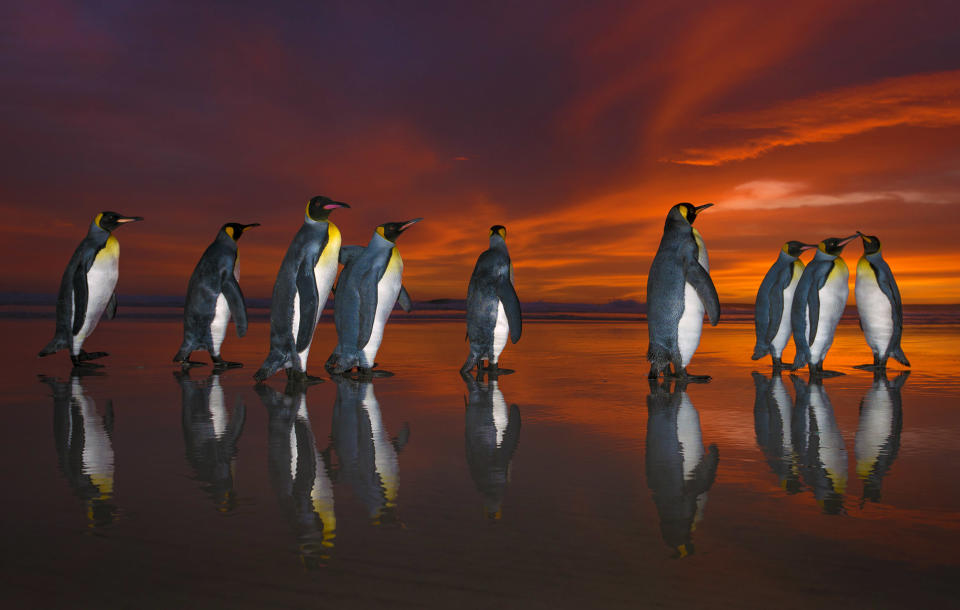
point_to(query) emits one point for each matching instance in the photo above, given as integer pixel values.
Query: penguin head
(392, 230)
(686, 212)
(834, 245)
(871, 244)
(319, 207)
(499, 230)
(108, 221)
(234, 229)
(794, 248)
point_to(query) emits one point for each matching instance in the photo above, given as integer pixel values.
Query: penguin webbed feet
(302, 378)
(219, 364)
(186, 365)
(82, 360)
(878, 365)
(817, 372)
(778, 365)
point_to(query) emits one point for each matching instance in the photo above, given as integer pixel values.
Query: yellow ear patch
(786, 248)
(380, 232)
(822, 247)
(502, 232)
(229, 231)
(96, 220)
(683, 211)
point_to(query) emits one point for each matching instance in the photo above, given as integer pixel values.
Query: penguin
(210, 435)
(83, 439)
(774, 299)
(213, 295)
(820, 447)
(879, 306)
(368, 457)
(492, 433)
(772, 413)
(818, 303)
(679, 471)
(369, 285)
(679, 288)
(86, 290)
(300, 292)
(302, 476)
(493, 309)
(878, 432)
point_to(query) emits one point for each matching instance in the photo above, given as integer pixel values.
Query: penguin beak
(407, 224)
(847, 240)
(336, 204)
(806, 247)
(700, 208)
(256, 224)
(126, 219)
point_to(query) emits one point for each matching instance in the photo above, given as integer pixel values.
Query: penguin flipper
(367, 311)
(776, 303)
(111, 311)
(80, 294)
(238, 307)
(698, 277)
(511, 306)
(403, 299)
(813, 312)
(309, 304)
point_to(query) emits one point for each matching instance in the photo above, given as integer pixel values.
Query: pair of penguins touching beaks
(367, 289)
(805, 302)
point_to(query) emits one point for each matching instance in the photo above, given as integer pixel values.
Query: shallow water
(570, 483)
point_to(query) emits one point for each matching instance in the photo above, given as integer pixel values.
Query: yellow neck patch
(229, 232)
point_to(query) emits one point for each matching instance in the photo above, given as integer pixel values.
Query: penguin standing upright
(678, 289)
(879, 306)
(369, 285)
(86, 290)
(300, 292)
(213, 295)
(818, 303)
(493, 309)
(774, 300)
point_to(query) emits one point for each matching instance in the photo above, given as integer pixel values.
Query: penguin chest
(833, 298)
(691, 321)
(388, 289)
(101, 282)
(325, 271)
(874, 309)
(221, 317)
(500, 332)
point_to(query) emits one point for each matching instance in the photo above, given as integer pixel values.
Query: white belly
(218, 329)
(324, 273)
(500, 333)
(833, 298)
(786, 328)
(689, 435)
(875, 311)
(833, 453)
(387, 291)
(874, 429)
(101, 282)
(691, 324)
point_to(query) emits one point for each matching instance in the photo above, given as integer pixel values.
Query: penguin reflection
(819, 444)
(878, 433)
(679, 471)
(299, 473)
(772, 411)
(368, 458)
(210, 435)
(492, 434)
(84, 448)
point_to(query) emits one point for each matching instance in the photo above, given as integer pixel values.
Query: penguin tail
(271, 365)
(760, 351)
(56, 344)
(898, 355)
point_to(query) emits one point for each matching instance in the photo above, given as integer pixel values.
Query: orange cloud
(927, 100)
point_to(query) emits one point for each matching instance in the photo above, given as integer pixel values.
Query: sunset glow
(576, 126)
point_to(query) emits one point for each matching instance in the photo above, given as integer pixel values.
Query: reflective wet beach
(571, 483)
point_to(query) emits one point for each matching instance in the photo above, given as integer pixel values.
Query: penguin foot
(686, 377)
(81, 364)
(84, 356)
(221, 364)
(828, 374)
(189, 364)
(363, 374)
(301, 377)
(869, 367)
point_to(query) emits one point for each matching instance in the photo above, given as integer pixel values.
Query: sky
(576, 125)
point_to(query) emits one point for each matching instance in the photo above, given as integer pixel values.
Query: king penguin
(300, 292)
(86, 290)
(493, 309)
(369, 286)
(879, 306)
(774, 299)
(678, 289)
(213, 295)
(818, 303)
